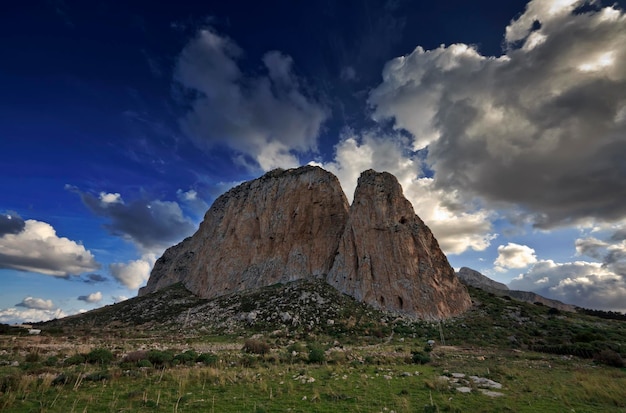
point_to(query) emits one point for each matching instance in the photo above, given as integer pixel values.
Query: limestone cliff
(278, 228)
(297, 224)
(390, 259)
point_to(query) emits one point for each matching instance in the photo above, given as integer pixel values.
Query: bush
(98, 376)
(32, 357)
(99, 356)
(256, 347)
(188, 357)
(609, 358)
(51, 361)
(144, 363)
(316, 355)
(75, 359)
(418, 357)
(209, 359)
(160, 358)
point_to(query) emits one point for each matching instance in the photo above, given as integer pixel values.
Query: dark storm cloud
(149, 224)
(268, 118)
(542, 127)
(11, 223)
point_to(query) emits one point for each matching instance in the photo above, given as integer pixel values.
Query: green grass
(379, 378)
(364, 361)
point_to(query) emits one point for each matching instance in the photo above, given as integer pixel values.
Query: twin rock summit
(297, 224)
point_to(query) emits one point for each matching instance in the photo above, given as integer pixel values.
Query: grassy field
(299, 377)
(176, 353)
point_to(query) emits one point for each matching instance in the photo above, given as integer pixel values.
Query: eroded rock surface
(281, 227)
(390, 259)
(297, 224)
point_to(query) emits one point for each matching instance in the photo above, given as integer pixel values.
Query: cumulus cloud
(542, 126)
(457, 227)
(133, 274)
(37, 248)
(151, 225)
(11, 223)
(31, 315)
(514, 256)
(91, 298)
(36, 303)
(268, 118)
(587, 284)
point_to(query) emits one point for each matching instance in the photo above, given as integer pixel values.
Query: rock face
(476, 279)
(389, 258)
(297, 224)
(278, 228)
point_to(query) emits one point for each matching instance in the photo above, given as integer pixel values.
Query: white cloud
(265, 117)
(31, 315)
(37, 248)
(542, 127)
(133, 274)
(457, 227)
(514, 256)
(91, 298)
(586, 284)
(36, 303)
(107, 198)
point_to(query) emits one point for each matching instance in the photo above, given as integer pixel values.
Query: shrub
(188, 357)
(209, 359)
(98, 376)
(32, 357)
(256, 347)
(51, 361)
(75, 359)
(609, 357)
(144, 363)
(160, 358)
(316, 355)
(418, 357)
(99, 356)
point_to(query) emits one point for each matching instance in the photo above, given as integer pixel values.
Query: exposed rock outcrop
(390, 259)
(297, 224)
(478, 280)
(281, 227)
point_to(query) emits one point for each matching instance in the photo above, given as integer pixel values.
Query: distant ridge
(475, 279)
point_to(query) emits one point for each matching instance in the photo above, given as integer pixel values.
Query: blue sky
(505, 123)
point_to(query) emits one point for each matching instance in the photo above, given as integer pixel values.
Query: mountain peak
(296, 224)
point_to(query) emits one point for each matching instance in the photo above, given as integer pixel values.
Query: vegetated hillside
(312, 307)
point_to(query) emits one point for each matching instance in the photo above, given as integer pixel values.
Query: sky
(121, 122)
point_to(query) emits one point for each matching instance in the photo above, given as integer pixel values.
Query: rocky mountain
(297, 224)
(389, 258)
(281, 227)
(478, 280)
